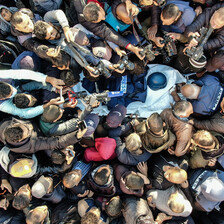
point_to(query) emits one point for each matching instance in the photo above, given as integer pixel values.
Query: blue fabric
(84, 167)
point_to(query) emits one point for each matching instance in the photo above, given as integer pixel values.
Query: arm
(215, 42)
(36, 85)
(45, 5)
(120, 130)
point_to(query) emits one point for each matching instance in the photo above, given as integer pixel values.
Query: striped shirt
(84, 167)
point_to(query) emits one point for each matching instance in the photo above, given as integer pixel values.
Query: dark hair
(170, 11)
(113, 208)
(155, 122)
(35, 219)
(134, 181)
(57, 157)
(90, 217)
(16, 18)
(62, 59)
(5, 90)
(21, 201)
(21, 100)
(180, 107)
(13, 134)
(91, 12)
(203, 138)
(101, 177)
(51, 113)
(70, 78)
(98, 43)
(139, 65)
(40, 29)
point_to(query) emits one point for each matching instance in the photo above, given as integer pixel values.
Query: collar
(180, 118)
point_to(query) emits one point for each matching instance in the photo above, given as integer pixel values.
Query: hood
(5, 25)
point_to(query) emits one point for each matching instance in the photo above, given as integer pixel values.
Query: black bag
(9, 51)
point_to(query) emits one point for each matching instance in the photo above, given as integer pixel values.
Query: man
(178, 121)
(91, 15)
(8, 91)
(205, 94)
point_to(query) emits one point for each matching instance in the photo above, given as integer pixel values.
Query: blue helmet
(156, 81)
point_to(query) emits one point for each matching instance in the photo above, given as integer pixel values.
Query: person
(205, 95)
(178, 121)
(155, 134)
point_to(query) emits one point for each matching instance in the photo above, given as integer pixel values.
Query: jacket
(99, 29)
(127, 158)
(154, 143)
(182, 130)
(135, 208)
(216, 40)
(210, 96)
(36, 142)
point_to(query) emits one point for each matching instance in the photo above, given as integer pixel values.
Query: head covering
(213, 189)
(40, 187)
(101, 50)
(79, 36)
(156, 81)
(20, 168)
(199, 64)
(116, 116)
(92, 121)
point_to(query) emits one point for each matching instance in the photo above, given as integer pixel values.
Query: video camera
(100, 69)
(197, 52)
(148, 52)
(125, 64)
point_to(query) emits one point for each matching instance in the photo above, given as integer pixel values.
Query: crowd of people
(112, 111)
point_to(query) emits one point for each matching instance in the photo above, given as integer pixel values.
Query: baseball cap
(116, 116)
(92, 121)
(213, 189)
(156, 81)
(79, 36)
(101, 50)
(40, 187)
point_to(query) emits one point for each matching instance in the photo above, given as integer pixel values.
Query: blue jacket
(210, 95)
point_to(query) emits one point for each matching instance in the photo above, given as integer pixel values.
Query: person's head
(157, 81)
(145, 2)
(133, 144)
(183, 108)
(101, 49)
(139, 65)
(80, 37)
(176, 202)
(190, 91)
(37, 215)
(46, 31)
(113, 206)
(62, 61)
(23, 100)
(217, 19)
(6, 14)
(175, 175)
(52, 114)
(94, 13)
(91, 217)
(204, 139)
(29, 63)
(170, 14)
(102, 175)
(72, 178)
(70, 78)
(144, 219)
(134, 182)
(22, 22)
(22, 197)
(6, 90)
(42, 186)
(122, 14)
(16, 132)
(155, 123)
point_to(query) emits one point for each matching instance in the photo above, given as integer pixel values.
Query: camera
(100, 69)
(125, 63)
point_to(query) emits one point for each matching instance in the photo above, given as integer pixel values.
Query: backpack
(9, 51)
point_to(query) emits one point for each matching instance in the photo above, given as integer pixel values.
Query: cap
(92, 121)
(116, 116)
(40, 187)
(27, 63)
(20, 168)
(156, 81)
(79, 37)
(213, 189)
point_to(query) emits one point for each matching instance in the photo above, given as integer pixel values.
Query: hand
(151, 32)
(157, 41)
(134, 122)
(212, 162)
(56, 101)
(91, 70)
(4, 203)
(161, 217)
(136, 51)
(222, 104)
(151, 204)
(80, 133)
(53, 52)
(200, 1)
(143, 168)
(6, 185)
(57, 83)
(94, 103)
(185, 184)
(198, 10)
(86, 192)
(171, 151)
(115, 67)
(120, 52)
(71, 104)
(131, 8)
(174, 36)
(68, 34)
